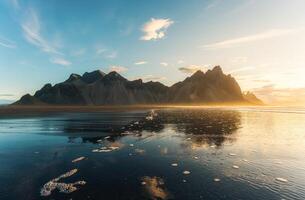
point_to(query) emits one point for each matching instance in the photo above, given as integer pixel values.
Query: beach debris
(53, 184)
(111, 147)
(78, 159)
(127, 133)
(184, 181)
(281, 180)
(216, 179)
(196, 157)
(174, 164)
(151, 115)
(235, 167)
(213, 146)
(186, 172)
(140, 151)
(155, 187)
(232, 154)
(107, 137)
(105, 149)
(131, 145)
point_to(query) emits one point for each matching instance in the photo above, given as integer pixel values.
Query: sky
(260, 42)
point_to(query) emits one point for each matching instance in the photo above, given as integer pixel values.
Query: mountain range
(98, 88)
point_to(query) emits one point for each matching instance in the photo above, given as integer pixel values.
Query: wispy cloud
(117, 68)
(274, 95)
(32, 33)
(250, 38)
(7, 43)
(242, 69)
(6, 95)
(180, 61)
(191, 68)
(164, 64)
(60, 61)
(155, 28)
(140, 62)
(106, 53)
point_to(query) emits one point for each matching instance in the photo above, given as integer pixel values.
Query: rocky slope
(98, 88)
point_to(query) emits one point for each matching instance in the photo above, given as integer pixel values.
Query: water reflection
(200, 127)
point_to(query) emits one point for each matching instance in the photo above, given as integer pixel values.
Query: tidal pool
(223, 153)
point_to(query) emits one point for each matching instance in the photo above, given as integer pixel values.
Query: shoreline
(25, 109)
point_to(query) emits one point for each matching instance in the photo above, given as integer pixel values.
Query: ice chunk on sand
(281, 180)
(235, 167)
(196, 157)
(216, 179)
(174, 164)
(232, 154)
(186, 172)
(78, 159)
(105, 149)
(139, 151)
(53, 184)
(111, 147)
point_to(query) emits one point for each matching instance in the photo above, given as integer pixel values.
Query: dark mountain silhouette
(249, 96)
(98, 88)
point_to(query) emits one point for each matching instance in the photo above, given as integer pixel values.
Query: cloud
(152, 78)
(239, 60)
(140, 63)
(7, 43)
(32, 33)
(60, 61)
(180, 61)
(111, 55)
(164, 64)
(106, 53)
(242, 69)
(250, 38)
(284, 96)
(191, 68)
(6, 95)
(117, 68)
(155, 29)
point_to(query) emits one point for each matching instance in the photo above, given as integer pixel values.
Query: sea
(186, 153)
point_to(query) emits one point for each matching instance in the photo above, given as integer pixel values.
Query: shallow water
(172, 154)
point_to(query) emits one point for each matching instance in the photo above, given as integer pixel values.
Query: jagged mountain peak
(73, 77)
(114, 76)
(90, 77)
(215, 71)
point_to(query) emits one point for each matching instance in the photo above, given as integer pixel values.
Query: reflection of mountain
(212, 127)
(98, 88)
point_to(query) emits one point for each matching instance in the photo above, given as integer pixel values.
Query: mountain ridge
(99, 88)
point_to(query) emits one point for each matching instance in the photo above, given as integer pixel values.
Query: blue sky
(260, 42)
